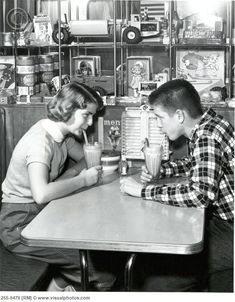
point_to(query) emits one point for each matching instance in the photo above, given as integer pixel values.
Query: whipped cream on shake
(153, 157)
(92, 153)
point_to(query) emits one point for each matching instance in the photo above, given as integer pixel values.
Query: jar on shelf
(46, 70)
(25, 75)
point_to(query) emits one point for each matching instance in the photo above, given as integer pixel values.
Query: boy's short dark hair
(71, 97)
(177, 94)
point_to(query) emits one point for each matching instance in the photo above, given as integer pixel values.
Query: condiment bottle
(123, 165)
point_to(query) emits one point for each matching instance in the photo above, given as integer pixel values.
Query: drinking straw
(146, 141)
(85, 136)
(145, 144)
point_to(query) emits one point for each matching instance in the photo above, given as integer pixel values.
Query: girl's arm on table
(44, 191)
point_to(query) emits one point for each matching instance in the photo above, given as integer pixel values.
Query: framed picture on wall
(84, 66)
(139, 69)
(203, 68)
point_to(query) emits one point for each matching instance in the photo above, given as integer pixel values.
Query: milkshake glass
(153, 157)
(92, 153)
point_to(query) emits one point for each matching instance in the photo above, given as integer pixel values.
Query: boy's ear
(180, 115)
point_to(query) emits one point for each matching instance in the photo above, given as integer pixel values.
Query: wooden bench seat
(21, 274)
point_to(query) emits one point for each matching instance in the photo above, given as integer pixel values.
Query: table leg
(84, 270)
(128, 273)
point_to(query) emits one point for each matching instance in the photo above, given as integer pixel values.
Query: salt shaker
(123, 166)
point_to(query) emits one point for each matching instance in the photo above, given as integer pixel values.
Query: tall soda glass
(153, 157)
(92, 153)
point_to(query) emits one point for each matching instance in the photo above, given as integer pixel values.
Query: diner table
(102, 218)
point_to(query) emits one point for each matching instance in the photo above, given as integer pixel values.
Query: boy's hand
(145, 176)
(131, 187)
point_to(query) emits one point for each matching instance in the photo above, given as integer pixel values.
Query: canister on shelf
(25, 75)
(7, 39)
(55, 56)
(46, 67)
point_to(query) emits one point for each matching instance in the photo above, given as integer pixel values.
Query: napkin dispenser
(137, 124)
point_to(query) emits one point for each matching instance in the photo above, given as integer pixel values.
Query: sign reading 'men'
(109, 128)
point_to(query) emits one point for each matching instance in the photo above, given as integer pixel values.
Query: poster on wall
(109, 128)
(7, 72)
(203, 68)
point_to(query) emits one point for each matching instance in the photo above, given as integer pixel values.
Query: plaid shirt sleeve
(179, 167)
(203, 182)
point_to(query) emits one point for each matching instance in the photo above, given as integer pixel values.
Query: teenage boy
(210, 168)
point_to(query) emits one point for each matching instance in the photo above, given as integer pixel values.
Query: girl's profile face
(83, 118)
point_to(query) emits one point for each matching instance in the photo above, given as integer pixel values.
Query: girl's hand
(91, 176)
(131, 187)
(145, 176)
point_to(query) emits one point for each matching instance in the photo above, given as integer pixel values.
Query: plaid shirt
(210, 168)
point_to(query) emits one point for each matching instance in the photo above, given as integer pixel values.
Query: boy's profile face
(169, 122)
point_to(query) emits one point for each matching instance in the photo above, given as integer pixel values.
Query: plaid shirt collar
(209, 114)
